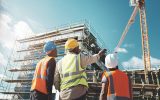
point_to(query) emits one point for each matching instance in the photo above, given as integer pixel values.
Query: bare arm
(104, 90)
(103, 95)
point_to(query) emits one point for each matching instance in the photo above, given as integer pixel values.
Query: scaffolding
(29, 51)
(141, 91)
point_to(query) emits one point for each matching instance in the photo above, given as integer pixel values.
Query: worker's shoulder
(52, 60)
(59, 61)
(121, 72)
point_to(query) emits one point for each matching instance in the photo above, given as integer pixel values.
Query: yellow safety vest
(71, 72)
(39, 78)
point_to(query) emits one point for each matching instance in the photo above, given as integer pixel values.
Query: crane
(139, 5)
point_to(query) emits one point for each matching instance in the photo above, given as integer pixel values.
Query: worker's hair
(74, 50)
(111, 69)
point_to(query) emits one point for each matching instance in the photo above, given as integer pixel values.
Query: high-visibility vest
(71, 72)
(118, 85)
(39, 78)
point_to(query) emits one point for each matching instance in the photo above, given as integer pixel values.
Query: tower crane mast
(139, 5)
(145, 42)
(144, 35)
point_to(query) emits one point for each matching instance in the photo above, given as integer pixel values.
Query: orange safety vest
(39, 78)
(118, 85)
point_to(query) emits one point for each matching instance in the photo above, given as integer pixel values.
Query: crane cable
(130, 22)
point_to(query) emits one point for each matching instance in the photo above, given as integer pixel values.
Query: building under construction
(29, 51)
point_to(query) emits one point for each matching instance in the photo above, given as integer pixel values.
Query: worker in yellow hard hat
(71, 44)
(70, 76)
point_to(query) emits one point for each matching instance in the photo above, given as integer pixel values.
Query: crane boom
(130, 22)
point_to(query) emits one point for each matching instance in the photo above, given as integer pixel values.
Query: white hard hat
(111, 60)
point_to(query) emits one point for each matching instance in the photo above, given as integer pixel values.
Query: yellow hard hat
(71, 44)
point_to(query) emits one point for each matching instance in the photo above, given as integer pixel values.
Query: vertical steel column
(145, 42)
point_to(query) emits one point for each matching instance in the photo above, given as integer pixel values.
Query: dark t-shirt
(50, 74)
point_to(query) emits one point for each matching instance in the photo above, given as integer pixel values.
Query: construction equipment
(145, 44)
(139, 5)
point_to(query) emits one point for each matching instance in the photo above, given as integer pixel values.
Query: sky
(107, 17)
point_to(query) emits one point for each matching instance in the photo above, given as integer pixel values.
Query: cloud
(137, 63)
(122, 50)
(36, 26)
(134, 62)
(128, 45)
(10, 30)
(6, 35)
(155, 61)
(3, 61)
(21, 28)
(2, 76)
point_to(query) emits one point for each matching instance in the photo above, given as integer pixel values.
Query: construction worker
(41, 88)
(70, 76)
(115, 84)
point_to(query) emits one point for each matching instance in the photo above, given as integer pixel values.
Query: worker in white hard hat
(41, 88)
(116, 85)
(70, 75)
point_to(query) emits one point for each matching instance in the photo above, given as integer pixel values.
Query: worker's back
(121, 83)
(115, 84)
(72, 73)
(39, 79)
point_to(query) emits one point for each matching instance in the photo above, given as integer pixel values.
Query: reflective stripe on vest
(73, 80)
(77, 69)
(113, 95)
(111, 81)
(39, 78)
(72, 74)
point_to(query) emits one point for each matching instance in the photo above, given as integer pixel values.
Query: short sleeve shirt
(104, 79)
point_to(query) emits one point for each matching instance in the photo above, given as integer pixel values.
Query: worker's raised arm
(87, 60)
